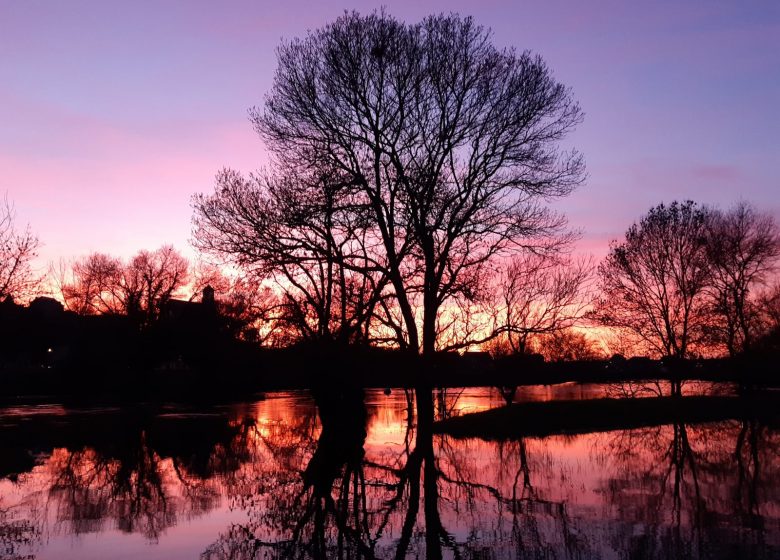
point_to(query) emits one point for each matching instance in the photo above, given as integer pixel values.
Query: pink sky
(113, 114)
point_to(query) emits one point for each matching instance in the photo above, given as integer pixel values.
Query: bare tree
(303, 233)
(450, 142)
(150, 280)
(768, 337)
(91, 285)
(249, 310)
(203, 275)
(743, 246)
(542, 295)
(140, 288)
(653, 283)
(769, 302)
(256, 313)
(566, 345)
(17, 250)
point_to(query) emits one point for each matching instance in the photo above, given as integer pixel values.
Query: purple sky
(113, 114)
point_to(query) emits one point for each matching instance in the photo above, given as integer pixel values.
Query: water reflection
(348, 474)
(701, 491)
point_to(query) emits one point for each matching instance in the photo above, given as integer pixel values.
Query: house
(192, 313)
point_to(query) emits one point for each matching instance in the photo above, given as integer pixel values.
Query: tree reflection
(343, 503)
(317, 502)
(138, 474)
(16, 534)
(134, 489)
(752, 438)
(319, 480)
(516, 504)
(684, 485)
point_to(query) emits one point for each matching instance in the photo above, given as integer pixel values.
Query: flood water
(362, 474)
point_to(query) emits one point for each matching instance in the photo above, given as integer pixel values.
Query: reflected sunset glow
(241, 475)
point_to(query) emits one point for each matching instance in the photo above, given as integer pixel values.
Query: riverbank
(542, 419)
(263, 370)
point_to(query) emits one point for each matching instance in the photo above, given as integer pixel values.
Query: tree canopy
(653, 283)
(438, 150)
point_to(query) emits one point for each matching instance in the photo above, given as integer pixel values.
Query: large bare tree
(452, 143)
(17, 250)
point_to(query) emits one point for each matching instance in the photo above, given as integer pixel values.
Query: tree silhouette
(686, 276)
(567, 345)
(302, 232)
(444, 146)
(17, 250)
(541, 295)
(653, 283)
(139, 288)
(150, 280)
(743, 246)
(92, 284)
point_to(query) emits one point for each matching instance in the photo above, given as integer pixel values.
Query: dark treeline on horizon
(407, 206)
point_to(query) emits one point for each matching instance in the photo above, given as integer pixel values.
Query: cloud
(714, 172)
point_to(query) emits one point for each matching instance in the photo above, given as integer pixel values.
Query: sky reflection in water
(355, 475)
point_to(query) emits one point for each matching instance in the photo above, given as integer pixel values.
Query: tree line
(689, 279)
(142, 288)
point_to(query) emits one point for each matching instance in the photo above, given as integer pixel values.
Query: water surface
(361, 475)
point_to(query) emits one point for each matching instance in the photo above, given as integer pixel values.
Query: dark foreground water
(362, 475)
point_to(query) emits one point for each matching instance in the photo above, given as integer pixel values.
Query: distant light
(49, 350)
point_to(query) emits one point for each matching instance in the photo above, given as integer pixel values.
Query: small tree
(204, 274)
(653, 283)
(541, 295)
(150, 280)
(91, 285)
(768, 339)
(769, 303)
(139, 288)
(17, 250)
(254, 313)
(742, 246)
(566, 345)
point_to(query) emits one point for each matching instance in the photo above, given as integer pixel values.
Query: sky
(113, 114)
